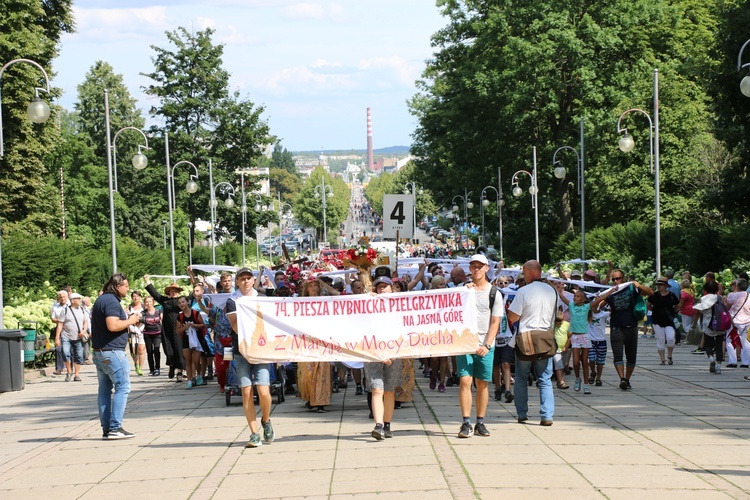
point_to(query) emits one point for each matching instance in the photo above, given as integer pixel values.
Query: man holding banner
(249, 375)
(478, 366)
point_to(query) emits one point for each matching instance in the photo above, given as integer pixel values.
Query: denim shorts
(250, 375)
(384, 377)
(504, 354)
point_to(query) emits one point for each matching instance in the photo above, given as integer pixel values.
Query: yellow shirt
(561, 335)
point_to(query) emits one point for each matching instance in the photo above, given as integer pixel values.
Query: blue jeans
(113, 372)
(77, 346)
(543, 371)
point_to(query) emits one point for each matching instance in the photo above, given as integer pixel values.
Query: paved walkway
(680, 433)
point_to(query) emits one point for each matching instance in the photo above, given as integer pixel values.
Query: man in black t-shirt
(109, 337)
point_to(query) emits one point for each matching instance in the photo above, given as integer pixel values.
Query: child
(598, 351)
(580, 317)
(562, 339)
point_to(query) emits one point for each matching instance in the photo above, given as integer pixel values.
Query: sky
(315, 66)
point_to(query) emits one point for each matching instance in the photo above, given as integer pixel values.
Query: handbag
(640, 309)
(536, 345)
(695, 335)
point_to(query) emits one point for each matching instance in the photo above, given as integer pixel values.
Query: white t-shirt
(536, 304)
(598, 326)
(483, 311)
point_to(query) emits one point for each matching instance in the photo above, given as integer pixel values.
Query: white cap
(479, 258)
(75, 296)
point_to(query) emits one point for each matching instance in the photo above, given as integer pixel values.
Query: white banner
(358, 327)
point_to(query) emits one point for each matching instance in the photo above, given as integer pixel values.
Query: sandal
(566, 386)
(178, 378)
(670, 361)
(746, 377)
(663, 362)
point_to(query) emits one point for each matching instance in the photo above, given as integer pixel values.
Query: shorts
(598, 351)
(250, 375)
(384, 377)
(503, 354)
(138, 336)
(474, 365)
(580, 341)
(557, 361)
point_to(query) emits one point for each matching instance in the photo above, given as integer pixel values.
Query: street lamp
(38, 112)
(191, 187)
(259, 207)
(324, 191)
(560, 174)
(212, 205)
(500, 203)
(467, 206)
(534, 191)
(190, 242)
(164, 232)
(139, 162)
(744, 84)
(413, 187)
(627, 144)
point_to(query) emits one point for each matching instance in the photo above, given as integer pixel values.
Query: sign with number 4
(398, 215)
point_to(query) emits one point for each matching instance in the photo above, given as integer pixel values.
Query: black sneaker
(508, 397)
(698, 350)
(466, 430)
(119, 434)
(378, 433)
(105, 435)
(358, 392)
(481, 430)
(623, 384)
(387, 433)
(498, 394)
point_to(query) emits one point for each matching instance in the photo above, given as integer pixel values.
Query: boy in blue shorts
(478, 366)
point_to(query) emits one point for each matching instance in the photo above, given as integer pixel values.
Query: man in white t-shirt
(478, 366)
(535, 306)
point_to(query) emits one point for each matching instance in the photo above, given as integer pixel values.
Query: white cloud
(395, 66)
(120, 23)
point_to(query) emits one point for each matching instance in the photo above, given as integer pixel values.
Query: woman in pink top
(739, 308)
(687, 299)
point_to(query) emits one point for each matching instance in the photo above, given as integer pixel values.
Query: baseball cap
(244, 270)
(575, 273)
(76, 296)
(479, 258)
(382, 279)
(591, 273)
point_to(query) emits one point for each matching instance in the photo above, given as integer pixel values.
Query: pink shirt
(687, 305)
(739, 307)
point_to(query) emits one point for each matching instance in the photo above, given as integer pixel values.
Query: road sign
(397, 215)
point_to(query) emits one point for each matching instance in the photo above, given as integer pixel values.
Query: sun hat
(174, 287)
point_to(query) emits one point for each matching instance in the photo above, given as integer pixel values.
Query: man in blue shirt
(109, 337)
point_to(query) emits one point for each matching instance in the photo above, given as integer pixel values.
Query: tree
(308, 209)
(205, 122)
(282, 158)
(506, 77)
(31, 30)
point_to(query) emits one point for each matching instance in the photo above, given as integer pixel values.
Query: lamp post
(534, 191)
(213, 204)
(164, 232)
(38, 112)
(411, 187)
(190, 242)
(139, 162)
(500, 202)
(191, 187)
(627, 144)
(560, 174)
(258, 208)
(744, 83)
(467, 205)
(324, 191)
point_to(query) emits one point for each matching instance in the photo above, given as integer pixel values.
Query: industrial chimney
(370, 159)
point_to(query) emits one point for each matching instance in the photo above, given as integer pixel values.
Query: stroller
(278, 383)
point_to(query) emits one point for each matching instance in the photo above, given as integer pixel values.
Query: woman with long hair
(314, 379)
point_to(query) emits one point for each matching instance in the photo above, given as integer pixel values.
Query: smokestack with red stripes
(370, 159)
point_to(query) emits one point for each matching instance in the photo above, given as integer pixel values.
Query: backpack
(220, 322)
(721, 320)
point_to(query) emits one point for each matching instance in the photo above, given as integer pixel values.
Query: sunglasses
(617, 278)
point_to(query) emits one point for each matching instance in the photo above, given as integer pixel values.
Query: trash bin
(29, 341)
(11, 360)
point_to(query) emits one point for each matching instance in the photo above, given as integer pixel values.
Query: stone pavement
(682, 432)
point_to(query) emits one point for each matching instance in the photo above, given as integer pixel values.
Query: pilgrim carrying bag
(537, 344)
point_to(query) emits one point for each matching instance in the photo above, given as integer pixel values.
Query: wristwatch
(488, 347)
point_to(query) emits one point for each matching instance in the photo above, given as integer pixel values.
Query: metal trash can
(29, 341)
(11, 360)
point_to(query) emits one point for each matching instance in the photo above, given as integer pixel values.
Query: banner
(358, 327)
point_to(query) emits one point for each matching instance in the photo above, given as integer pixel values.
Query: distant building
(265, 185)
